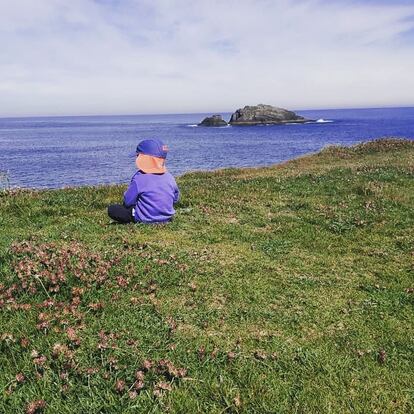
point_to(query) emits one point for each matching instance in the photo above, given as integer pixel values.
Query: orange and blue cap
(151, 155)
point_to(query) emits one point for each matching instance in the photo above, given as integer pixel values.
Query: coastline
(95, 149)
(216, 170)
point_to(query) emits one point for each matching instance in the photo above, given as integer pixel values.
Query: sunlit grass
(282, 289)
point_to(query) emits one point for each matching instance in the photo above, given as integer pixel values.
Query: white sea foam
(196, 125)
(323, 121)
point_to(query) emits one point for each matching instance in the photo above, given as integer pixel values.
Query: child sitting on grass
(152, 191)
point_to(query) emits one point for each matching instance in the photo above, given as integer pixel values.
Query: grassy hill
(286, 289)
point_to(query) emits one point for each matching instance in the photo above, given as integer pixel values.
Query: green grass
(286, 289)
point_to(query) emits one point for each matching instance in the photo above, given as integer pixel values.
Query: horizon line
(194, 113)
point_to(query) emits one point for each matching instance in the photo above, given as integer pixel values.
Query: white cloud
(136, 56)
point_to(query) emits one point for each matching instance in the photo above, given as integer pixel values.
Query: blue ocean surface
(53, 152)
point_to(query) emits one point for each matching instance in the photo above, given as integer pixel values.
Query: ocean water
(53, 152)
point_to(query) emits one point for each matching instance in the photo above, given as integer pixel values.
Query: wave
(323, 121)
(196, 125)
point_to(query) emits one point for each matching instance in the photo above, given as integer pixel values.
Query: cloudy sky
(177, 56)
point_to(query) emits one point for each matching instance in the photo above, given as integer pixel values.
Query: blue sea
(53, 152)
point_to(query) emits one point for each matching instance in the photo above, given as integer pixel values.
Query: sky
(84, 57)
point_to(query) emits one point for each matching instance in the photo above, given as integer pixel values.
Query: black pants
(120, 213)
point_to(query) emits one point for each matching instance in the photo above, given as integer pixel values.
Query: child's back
(152, 196)
(152, 191)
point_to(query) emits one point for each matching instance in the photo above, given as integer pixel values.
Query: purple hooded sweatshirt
(152, 196)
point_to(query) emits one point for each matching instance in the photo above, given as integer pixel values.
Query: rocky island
(256, 115)
(264, 114)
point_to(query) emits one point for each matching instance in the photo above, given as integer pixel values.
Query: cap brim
(150, 164)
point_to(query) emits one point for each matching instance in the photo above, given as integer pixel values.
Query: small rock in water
(213, 121)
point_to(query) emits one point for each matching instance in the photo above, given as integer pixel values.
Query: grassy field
(286, 289)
